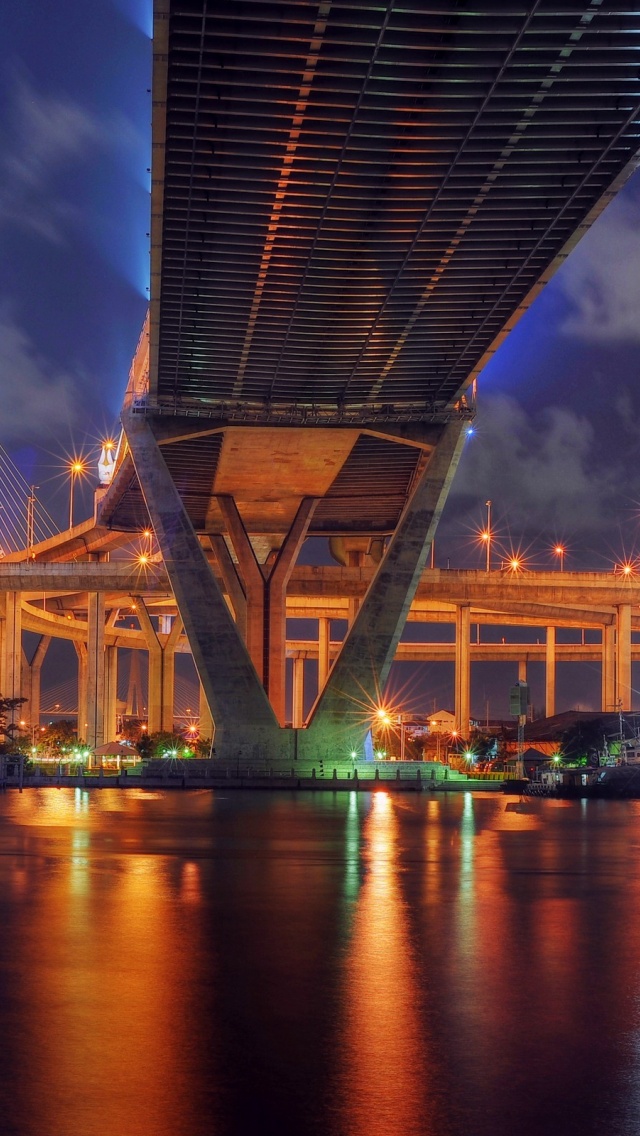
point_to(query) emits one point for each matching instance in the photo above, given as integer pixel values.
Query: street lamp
(560, 551)
(486, 536)
(76, 469)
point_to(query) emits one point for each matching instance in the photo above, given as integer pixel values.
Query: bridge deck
(353, 201)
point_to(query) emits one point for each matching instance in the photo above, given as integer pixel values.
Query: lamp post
(560, 551)
(76, 468)
(488, 535)
(31, 517)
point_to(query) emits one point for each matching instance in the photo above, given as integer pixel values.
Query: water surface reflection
(335, 964)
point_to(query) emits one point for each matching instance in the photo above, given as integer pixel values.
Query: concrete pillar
(253, 582)
(232, 583)
(110, 693)
(324, 642)
(246, 727)
(623, 656)
(463, 669)
(168, 674)
(95, 670)
(82, 727)
(265, 588)
(155, 684)
(206, 719)
(522, 670)
(608, 667)
(276, 607)
(298, 693)
(31, 682)
(11, 660)
(362, 667)
(550, 674)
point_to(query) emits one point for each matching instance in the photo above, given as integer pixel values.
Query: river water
(211, 964)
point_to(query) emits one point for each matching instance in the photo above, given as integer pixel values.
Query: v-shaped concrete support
(246, 726)
(345, 708)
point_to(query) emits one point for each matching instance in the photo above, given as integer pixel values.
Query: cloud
(36, 399)
(538, 470)
(42, 135)
(601, 278)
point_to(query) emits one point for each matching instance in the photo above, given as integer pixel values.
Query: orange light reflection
(384, 1079)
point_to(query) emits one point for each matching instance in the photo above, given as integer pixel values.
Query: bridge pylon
(242, 675)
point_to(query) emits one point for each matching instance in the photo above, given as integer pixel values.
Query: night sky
(556, 439)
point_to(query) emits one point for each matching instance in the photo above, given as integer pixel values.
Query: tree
(8, 731)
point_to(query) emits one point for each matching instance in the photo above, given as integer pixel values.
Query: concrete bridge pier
(161, 648)
(110, 693)
(463, 670)
(608, 667)
(298, 693)
(265, 591)
(207, 726)
(31, 679)
(324, 648)
(623, 656)
(550, 674)
(345, 708)
(246, 726)
(82, 726)
(230, 670)
(95, 670)
(11, 652)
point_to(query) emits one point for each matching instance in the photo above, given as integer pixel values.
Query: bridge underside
(352, 204)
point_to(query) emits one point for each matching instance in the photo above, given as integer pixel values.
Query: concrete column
(110, 693)
(246, 727)
(168, 674)
(362, 667)
(608, 667)
(11, 676)
(276, 607)
(31, 682)
(463, 669)
(155, 684)
(550, 674)
(324, 642)
(95, 669)
(82, 727)
(232, 582)
(522, 670)
(298, 693)
(206, 719)
(623, 656)
(253, 582)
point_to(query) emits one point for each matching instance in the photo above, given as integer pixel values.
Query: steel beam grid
(359, 198)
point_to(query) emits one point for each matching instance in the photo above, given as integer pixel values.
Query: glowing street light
(487, 535)
(76, 468)
(627, 569)
(560, 551)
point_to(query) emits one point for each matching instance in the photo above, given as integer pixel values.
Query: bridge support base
(247, 725)
(344, 710)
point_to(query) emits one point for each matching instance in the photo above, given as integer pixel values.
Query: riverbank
(185, 777)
